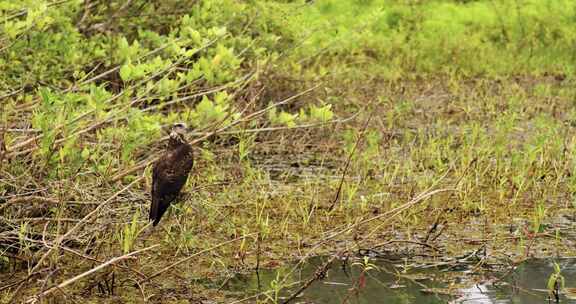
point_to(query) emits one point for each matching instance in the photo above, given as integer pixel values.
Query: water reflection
(478, 294)
(392, 285)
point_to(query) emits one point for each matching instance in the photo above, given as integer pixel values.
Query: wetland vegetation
(433, 134)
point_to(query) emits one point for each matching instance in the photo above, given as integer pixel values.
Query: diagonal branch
(349, 160)
(82, 222)
(37, 297)
(155, 158)
(193, 256)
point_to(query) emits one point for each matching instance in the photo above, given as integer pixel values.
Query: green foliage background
(148, 54)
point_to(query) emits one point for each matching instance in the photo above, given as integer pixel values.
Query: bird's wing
(166, 185)
(169, 175)
(155, 206)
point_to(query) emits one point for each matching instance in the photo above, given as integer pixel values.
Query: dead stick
(258, 239)
(28, 199)
(32, 198)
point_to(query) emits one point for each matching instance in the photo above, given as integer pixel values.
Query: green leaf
(321, 114)
(123, 48)
(85, 153)
(287, 119)
(13, 29)
(46, 96)
(126, 72)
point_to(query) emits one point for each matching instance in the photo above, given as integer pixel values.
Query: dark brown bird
(170, 172)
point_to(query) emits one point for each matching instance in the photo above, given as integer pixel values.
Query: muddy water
(394, 284)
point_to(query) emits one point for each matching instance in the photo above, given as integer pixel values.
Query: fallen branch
(83, 221)
(37, 297)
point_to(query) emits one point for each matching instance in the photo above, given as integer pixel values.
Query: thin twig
(273, 129)
(349, 160)
(406, 241)
(193, 256)
(390, 214)
(155, 158)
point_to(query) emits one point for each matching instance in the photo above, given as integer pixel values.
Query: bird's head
(177, 132)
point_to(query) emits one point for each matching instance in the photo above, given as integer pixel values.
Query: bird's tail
(154, 212)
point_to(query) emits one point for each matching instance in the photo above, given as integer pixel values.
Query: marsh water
(348, 282)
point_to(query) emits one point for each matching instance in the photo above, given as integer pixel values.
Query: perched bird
(170, 172)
